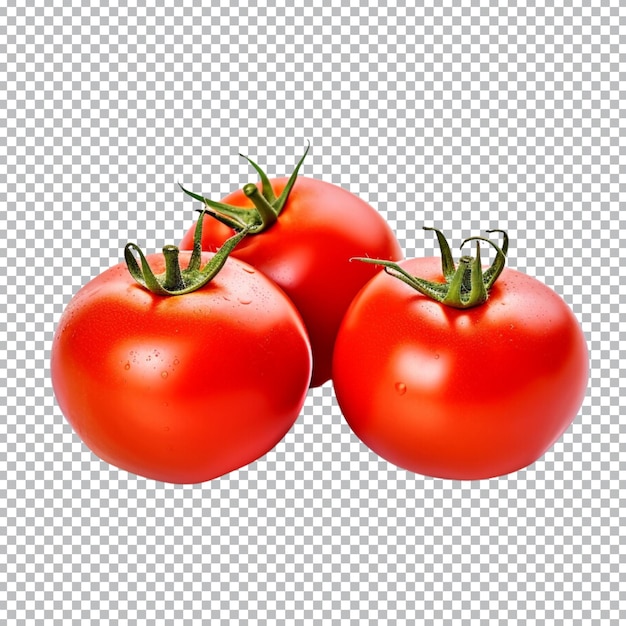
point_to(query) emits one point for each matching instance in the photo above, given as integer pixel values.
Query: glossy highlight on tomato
(459, 393)
(307, 250)
(181, 389)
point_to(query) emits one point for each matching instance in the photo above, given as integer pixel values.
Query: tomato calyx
(267, 207)
(175, 281)
(466, 285)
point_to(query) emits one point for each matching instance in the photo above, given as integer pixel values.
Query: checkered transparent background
(465, 115)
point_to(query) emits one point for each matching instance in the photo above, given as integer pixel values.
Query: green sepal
(267, 207)
(233, 217)
(175, 281)
(466, 285)
(266, 186)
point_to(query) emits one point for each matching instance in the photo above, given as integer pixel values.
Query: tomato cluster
(183, 372)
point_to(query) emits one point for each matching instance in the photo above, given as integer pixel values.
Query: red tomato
(307, 251)
(181, 389)
(459, 393)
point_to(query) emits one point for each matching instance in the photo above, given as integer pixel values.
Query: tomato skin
(307, 251)
(181, 389)
(459, 394)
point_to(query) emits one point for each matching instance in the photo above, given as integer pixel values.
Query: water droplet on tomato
(163, 374)
(127, 366)
(245, 300)
(436, 356)
(401, 388)
(248, 269)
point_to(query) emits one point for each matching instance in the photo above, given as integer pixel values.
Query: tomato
(181, 389)
(306, 251)
(459, 393)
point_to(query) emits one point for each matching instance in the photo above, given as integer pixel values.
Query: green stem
(267, 214)
(173, 280)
